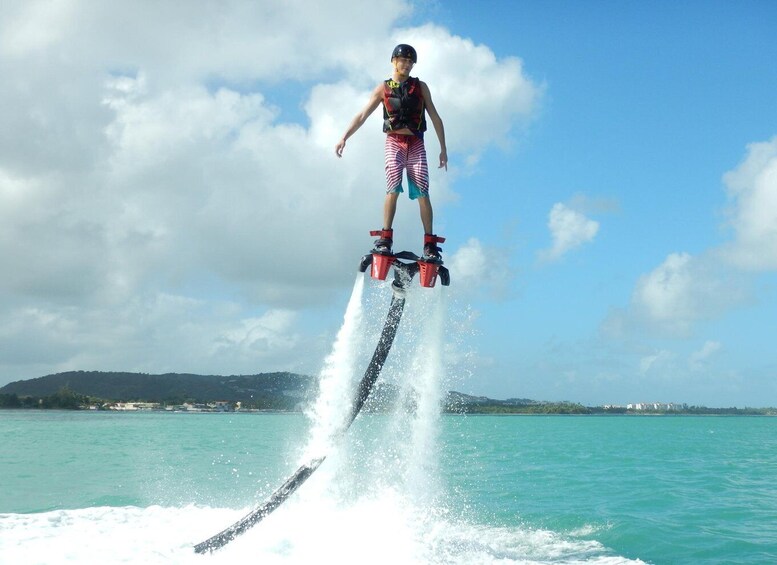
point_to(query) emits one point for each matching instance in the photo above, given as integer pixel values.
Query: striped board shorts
(406, 152)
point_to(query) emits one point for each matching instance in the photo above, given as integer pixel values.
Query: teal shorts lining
(414, 191)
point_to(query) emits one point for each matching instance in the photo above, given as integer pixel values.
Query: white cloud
(180, 40)
(510, 94)
(698, 359)
(666, 295)
(594, 204)
(255, 338)
(657, 362)
(142, 166)
(682, 291)
(34, 25)
(753, 215)
(686, 289)
(153, 333)
(478, 269)
(569, 229)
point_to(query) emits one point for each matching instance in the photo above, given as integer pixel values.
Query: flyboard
(406, 265)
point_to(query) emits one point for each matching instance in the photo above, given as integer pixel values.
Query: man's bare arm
(439, 128)
(375, 99)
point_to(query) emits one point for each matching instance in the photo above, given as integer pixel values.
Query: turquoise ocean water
(406, 486)
(145, 487)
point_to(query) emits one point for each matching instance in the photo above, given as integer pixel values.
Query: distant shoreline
(749, 413)
(283, 393)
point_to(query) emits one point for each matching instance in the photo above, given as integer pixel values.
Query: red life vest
(403, 106)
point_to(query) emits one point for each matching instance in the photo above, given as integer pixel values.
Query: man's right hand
(339, 147)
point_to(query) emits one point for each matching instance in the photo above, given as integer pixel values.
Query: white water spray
(425, 378)
(399, 449)
(387, 460)
(336, 383)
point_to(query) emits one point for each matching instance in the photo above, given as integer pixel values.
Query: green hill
(266, 390)
(270, 391)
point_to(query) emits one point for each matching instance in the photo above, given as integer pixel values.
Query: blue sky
(645, 108)
(612, 178)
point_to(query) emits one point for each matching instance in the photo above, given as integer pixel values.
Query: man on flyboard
(406, 101)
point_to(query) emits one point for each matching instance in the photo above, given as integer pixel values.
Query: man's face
(403, 65)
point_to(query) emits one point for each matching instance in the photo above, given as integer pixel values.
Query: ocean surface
(81, 487)
(408, 486)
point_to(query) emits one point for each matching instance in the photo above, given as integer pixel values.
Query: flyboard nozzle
(380, 266)
(428, 273)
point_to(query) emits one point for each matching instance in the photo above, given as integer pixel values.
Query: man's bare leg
(427, 215)
(389, 209)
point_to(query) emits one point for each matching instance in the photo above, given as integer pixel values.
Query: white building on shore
(656, 406)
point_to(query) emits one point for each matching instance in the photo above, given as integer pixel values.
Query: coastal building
(133, 406)
(222, 406)
(656, 406)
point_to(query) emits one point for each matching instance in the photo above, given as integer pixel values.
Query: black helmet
(404, 50)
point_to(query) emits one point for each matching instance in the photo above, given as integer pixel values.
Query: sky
(170, 198)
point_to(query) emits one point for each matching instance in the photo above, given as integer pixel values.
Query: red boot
(431, 251)
(385, 241)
